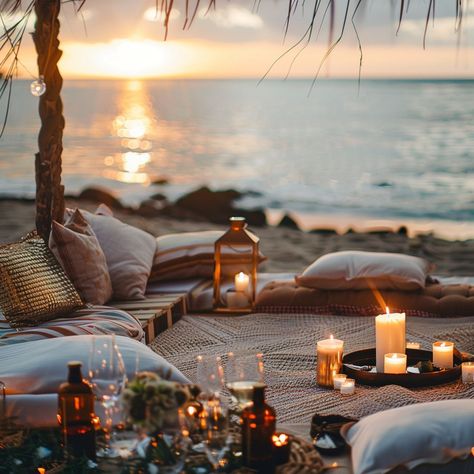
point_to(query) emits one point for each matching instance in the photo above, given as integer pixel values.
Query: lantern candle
(348, 387)
(395, 363)
(468, 372)
(443, 354)
(389, 336)
(338, 379)
(329, 360)
(241, 282)
(281, 448)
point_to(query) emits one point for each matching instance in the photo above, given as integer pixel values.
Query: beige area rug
(288, 343)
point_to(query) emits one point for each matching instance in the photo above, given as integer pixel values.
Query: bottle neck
(258, 396)
(75, 374)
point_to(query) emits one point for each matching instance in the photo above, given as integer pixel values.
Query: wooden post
(49, 191)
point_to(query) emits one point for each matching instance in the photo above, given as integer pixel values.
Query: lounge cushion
(41, 366)
(435, 300)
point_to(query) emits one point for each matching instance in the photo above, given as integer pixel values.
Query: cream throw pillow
(355, 270)
(77, 249)
(434, 432)
(128, 251)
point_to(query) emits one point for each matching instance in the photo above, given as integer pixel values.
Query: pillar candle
(395, 363)
(468, 372)
(443, 354)
(389, 336)
(241, 282)
(329, 360)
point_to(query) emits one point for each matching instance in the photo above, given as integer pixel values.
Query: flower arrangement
(152, 403)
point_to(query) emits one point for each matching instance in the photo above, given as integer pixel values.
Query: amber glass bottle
(76, 414)
(258, 427)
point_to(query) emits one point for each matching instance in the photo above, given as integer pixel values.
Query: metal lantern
(235, 268)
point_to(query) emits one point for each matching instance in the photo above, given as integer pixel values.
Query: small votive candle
(338, 379)
(241, 282)
(329, 360)
(281, 448)
(395, 363)
(348, 387)
(443, 354)
(467, 372)
(413, 345)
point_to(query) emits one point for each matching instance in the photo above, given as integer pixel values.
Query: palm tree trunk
(49, 191)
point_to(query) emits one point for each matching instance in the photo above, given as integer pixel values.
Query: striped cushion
(94, 320)
(189, 255)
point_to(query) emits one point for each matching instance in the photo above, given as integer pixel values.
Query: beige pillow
(129, 253)
(355, 270)
(33, 286)
(78, 251)
(187, 255)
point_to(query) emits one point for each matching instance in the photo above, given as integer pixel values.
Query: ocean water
(400, 150)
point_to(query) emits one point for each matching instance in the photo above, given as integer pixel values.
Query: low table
(156, 313)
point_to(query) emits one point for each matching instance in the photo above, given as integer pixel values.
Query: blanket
(98, 320)
(288, 342)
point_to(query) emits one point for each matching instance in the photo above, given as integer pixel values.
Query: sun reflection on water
(134, 126)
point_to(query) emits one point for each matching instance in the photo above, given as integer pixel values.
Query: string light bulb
(38, 87)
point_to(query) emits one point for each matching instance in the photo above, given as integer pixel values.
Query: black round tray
(367, 357)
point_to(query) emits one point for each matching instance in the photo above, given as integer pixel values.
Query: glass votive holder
(467, 372)
(338, 380)
(348, 387)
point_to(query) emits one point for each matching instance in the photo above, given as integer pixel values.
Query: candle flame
(394, 356)
(241, 275)
(388, 311)
(331, 337)
(41, 470)
(443, 344)
(280, 439)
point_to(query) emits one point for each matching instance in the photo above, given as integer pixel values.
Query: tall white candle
(241, 282)
(395, 363)
(443, 354)
(468, 372)
(389, 336)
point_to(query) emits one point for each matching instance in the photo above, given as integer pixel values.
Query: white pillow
(41, 366)
(128, 251)
(424, 433)
(356, 270)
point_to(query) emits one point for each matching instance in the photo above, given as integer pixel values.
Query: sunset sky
(123, 38)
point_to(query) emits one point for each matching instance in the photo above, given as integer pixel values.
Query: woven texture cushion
(433, 301)
(356, 270)
(33, 286)
(128, 251)
(187, 255)
(78, 251)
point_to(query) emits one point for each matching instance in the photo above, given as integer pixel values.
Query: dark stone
(216, 206)
(99, 196)
(150, 208)
(350, 231)
(252, 193)
(380, 231)
(158, 197)
(288, 222)
(160, 181)
(384, 184)
(323, 231)
(403, 230)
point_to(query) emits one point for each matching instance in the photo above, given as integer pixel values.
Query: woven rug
(288, 343)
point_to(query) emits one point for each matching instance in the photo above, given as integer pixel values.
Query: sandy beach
(287, 249)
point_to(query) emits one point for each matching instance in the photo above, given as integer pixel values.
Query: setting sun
(127, 58)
